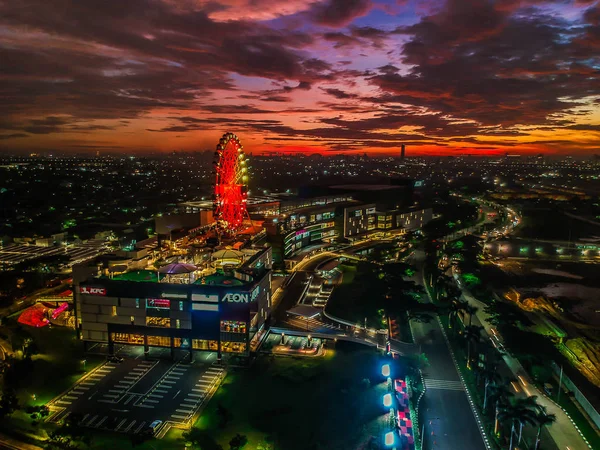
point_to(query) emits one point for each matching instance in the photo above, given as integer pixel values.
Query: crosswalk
(193, 400)
(443, 384)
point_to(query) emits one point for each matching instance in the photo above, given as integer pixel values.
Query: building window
(114, 311)
(163, 322)
(177, 323)
(159, 341)
(132, 319)
(180, 306)
(233, 326)
(233, 347)
(137, 302)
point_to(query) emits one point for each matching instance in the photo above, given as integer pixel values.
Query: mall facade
(224, 312)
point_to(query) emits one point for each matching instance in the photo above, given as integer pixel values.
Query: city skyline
(336, 76)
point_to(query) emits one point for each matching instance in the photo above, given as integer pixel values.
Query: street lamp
(385, 370)
(84, 361)
(390, 439)
(387, 400)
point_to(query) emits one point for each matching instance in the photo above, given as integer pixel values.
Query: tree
(471, 335)
(9, 402)
(521, 411)
(37, 413)
(500, 395)
(542, 419)
(238, 442)
(69, 435)
(491, 376)
(201, 439)
(470, 310)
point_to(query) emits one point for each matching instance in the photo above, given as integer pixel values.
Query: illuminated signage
(88, 290)
(159, 303)
(173, 295)
(254, 293)
(236, 297)
(371, 211)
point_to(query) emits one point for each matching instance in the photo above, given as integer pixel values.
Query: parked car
(154, 426)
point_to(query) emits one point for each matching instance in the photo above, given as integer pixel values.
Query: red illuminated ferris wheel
(231, 189)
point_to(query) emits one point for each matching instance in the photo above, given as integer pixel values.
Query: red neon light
(57, 312)
(89, 290)
(230, 185)
(158, 303)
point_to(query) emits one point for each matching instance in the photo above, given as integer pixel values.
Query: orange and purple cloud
(323, 76)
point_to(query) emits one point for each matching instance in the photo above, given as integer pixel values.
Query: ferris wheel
(231, 188)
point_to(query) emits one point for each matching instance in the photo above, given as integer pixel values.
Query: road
(562, 431)
(445, 410)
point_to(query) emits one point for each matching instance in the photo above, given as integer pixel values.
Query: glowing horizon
(444, 77)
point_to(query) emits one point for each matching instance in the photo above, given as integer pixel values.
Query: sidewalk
(563, 431)
(10, 443)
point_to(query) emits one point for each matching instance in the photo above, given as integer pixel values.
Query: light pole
(84, 361)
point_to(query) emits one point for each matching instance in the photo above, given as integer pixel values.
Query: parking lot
(125, 396)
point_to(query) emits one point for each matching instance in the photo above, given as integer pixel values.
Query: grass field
(301, 403)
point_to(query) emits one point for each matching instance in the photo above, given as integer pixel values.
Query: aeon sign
(237, 297)
(88, 290)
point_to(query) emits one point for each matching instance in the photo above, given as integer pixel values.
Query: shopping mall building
(221, 306)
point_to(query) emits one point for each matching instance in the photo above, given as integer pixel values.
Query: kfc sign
(236, 297)
(88, 290)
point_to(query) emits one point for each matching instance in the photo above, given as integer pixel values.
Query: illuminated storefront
(223, 316)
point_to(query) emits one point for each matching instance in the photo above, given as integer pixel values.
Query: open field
(301, 403)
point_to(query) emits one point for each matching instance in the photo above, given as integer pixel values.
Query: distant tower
(402, 151)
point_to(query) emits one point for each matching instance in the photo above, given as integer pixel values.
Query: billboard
(158, 303)
(89, 290)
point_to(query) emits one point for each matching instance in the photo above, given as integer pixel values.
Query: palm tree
(500, 395)
(470, 310)
(491, 377)
(471, 335)
(520, 411)
(542, 419)
(456, 307)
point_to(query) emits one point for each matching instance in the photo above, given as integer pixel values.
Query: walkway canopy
(305, 311)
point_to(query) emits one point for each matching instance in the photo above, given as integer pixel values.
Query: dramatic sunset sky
(442, 76)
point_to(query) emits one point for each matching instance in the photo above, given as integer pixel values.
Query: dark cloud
(337, 13)
(338, 93)
(474, 61)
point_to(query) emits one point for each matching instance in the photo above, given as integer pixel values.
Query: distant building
(402, 151)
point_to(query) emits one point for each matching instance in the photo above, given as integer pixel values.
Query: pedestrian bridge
(402, 348)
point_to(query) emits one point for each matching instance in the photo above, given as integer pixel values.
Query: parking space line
(116, 391)
(101, 422)
(129, 427)
(195, 395)
(110, 395)
(137, 430)
(89, 422)
(106, 401)
(87, 383)
(178, 416)
(85, 417)
(146, 406)
(130, 377)
(162, 391)
(77, 392)
(63, 402)
(186, 411)
(71, 397)
(85, 388)
(120, 424)
(168, 382)
(191, 400)
(156, 395)
(198, 390)
(149, 400)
